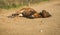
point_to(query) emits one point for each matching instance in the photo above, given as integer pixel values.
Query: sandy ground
(38, 26)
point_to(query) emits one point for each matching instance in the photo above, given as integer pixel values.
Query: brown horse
(31, 13)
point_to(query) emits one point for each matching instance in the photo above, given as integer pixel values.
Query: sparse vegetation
(17, 3)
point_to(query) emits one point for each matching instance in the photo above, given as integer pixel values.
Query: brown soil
(38, 26)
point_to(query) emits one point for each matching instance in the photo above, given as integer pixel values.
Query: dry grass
(7, 4)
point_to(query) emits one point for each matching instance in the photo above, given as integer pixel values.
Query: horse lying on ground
(31, 13)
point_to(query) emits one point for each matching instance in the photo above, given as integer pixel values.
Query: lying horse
(31, 13)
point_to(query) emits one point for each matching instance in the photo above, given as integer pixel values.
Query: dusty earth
(38, 26)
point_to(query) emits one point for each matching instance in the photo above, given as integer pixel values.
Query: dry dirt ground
(38, 26)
